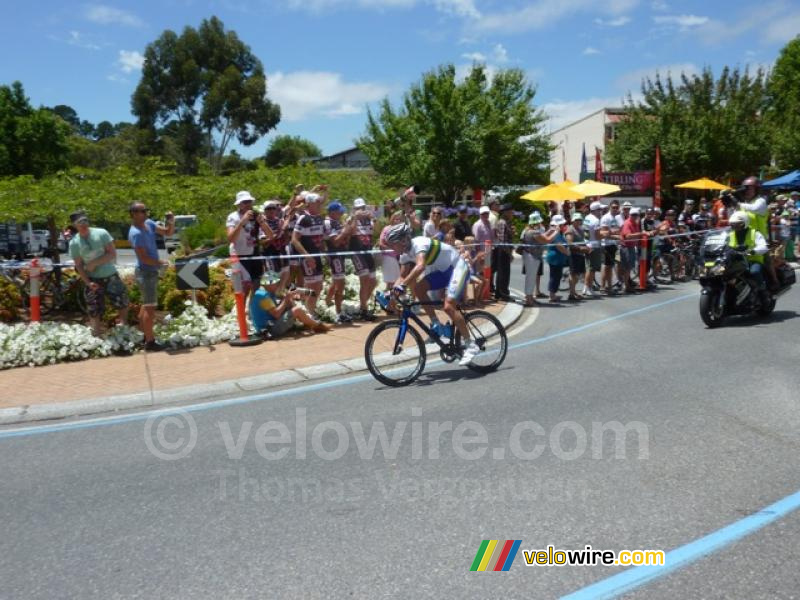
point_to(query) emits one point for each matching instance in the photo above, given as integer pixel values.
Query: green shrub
(10, 301)
(205, 234)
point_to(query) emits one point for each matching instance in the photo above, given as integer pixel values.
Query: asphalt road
(92, 513)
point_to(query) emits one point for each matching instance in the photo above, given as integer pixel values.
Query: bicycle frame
(407, 314)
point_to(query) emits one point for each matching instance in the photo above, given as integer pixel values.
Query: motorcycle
(728, 287)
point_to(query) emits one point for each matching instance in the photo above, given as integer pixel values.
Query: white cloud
(682, 22)
(116, 78)
(617, 22)
(474, 56)
(130, 60)
(305, 94)
(108, 15)
(564, 112)
(459, 8)
(784, 29)
(659, 6)
(633, 79)
(76, 38)
(500, 54)
(589, 51)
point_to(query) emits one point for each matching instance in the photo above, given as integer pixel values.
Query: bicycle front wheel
(395, 353)
(490, 336)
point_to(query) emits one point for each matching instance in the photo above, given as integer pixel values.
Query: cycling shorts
(454, 280)
(337, 267)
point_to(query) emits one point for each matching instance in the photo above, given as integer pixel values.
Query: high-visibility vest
(749, 242)
(759, 223)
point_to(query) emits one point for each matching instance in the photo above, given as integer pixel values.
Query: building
(352, 158)
(592, 131)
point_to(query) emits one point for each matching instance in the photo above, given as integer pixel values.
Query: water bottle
(382, 300)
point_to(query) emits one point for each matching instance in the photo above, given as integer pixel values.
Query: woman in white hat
(557, 256)
(533, 239)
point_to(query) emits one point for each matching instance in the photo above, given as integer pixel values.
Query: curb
(510, 314)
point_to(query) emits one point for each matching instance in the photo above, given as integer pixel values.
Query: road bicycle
(396, 354)
(56, 290)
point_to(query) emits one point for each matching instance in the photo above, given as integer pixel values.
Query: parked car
(181, 222)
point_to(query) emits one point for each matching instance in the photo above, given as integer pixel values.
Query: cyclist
(437, 266)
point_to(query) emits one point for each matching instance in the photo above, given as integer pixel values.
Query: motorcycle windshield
(715, 242)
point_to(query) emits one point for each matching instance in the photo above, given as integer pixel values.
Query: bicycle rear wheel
(490, 336)
(395, 353)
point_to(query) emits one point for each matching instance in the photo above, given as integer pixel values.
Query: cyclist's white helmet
(398, 233)
(739, 217)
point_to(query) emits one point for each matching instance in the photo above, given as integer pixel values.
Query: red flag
(657, 187)
(598, 165)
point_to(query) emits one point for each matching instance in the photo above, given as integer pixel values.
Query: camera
(302, 291)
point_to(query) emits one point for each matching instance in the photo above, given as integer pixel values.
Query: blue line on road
(314, 387)
(689, 553)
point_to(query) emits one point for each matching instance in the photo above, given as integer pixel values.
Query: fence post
(643, 245)
(487, 270)
(34, 274)
(238, 292)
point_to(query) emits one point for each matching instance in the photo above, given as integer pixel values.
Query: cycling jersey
(333, 228)
(364, 264)
(444, 266)
(310, 228)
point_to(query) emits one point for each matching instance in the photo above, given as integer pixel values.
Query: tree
(783, 111)
(103, 130)
(450, 135)
(287, 150)
(32, 142)
(207, 82)
(703, 126)
(69, 114)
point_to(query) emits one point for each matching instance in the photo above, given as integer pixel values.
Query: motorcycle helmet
(739, 220)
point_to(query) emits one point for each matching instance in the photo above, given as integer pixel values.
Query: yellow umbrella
(595, 188)
(704, 183)
(555, 192)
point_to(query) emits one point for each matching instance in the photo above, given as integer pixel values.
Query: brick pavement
(119, 375)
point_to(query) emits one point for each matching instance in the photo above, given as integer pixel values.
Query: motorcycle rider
(755, 205)
(744, 236)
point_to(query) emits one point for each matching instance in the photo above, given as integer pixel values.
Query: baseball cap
(485, 210)
(271, 204)
(635, 211)
(795, 193)
(313, 198)
(689, 201)
(597, 205)
(335, 206)
(506, 207)
(78, 217)
(243, 196)
(557, 220)
(578, 216)
(359, 203)
(627, 204)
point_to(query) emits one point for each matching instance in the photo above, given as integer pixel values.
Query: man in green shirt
(92, 249)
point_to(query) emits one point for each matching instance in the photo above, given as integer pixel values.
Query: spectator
(533, 237)
(92, 249)
(577, 255)
(244, 227)
(276, 317)
(557, 256)
(390, 258)
(446, 227)
(474, 254)
(686, 215)
(432, 228)
(275, 248)
(493, 202)
(630, 234)
(308, 241)
(595, 256)
(462, 227)
(142, 236)
(364, 264)
(337, 238)
(504, 234)
(703, 219)
(291, 212)
(483, 232)
(610, 224)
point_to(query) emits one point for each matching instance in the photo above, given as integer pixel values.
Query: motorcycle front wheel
(711, 310)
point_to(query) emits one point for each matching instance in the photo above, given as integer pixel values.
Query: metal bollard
(34, 273)
(238, 292)
(487, 270)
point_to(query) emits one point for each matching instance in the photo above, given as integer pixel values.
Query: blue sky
(326, 60)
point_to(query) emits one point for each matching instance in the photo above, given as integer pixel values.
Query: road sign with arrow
(192, 274)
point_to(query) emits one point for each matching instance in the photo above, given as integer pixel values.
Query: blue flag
(583, 159)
